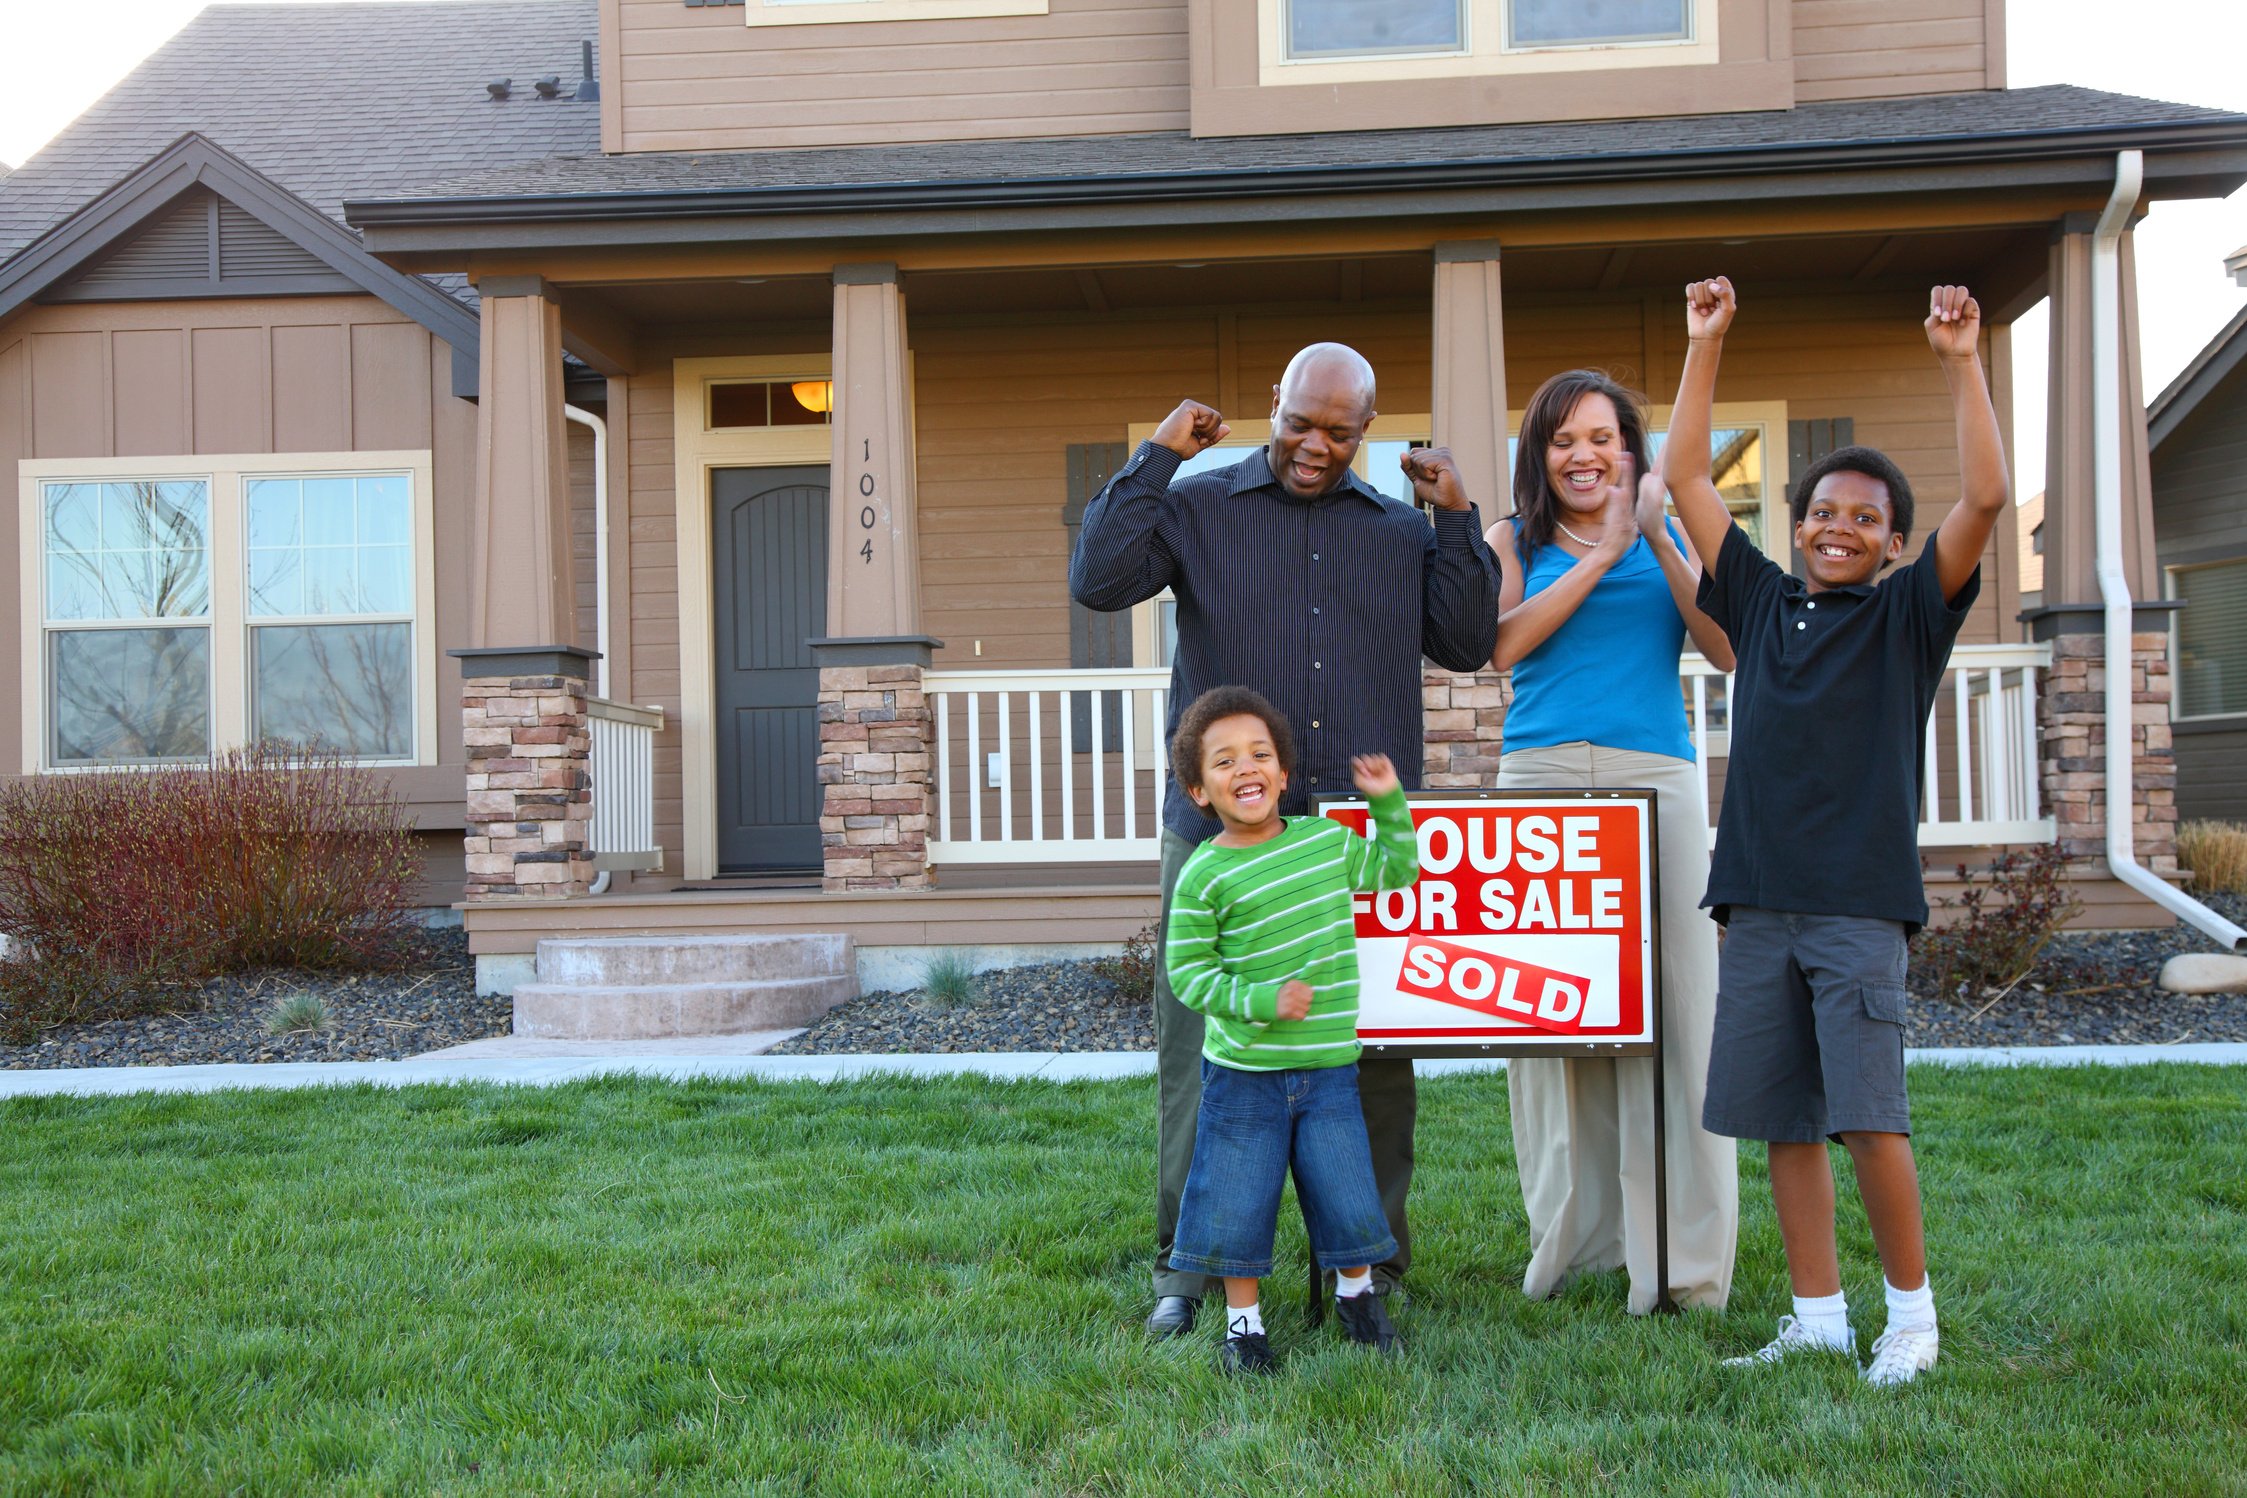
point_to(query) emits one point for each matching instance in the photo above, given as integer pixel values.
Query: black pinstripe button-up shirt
(1325, 606)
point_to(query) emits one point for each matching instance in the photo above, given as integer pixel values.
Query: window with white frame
(259, 598)
(2211, 639)
(1324, 41)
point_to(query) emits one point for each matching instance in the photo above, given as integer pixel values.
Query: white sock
(1825, 1317)
(1912, 1308)
(1244, 1321)
(1346, 1285)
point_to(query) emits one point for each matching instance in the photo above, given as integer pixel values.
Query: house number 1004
(866, 516)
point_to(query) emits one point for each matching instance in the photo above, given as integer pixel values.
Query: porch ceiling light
(814, 395)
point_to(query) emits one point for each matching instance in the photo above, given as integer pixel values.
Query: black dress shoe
(1364, 1321)
(1173, 1317)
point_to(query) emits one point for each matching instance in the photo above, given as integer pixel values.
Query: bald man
(1294, 576)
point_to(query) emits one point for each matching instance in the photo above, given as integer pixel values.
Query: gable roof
(2236, 263)
(2209, 368)
(113, 218)
(325, 101)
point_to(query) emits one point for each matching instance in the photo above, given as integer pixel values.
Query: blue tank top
(1609, 674)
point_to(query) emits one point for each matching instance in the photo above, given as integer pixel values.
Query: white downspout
(2114, 585)
(600, 429)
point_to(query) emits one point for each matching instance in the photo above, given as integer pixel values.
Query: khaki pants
(1385, 1090)
(1584, 1129)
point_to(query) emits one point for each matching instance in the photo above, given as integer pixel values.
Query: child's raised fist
(1954, 322)
(1373, 774)
(1295, 999)
(1709, 306)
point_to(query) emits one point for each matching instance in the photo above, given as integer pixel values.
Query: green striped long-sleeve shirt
(1243, 921)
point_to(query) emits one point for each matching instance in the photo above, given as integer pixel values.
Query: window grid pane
(129, 550)
(329, 547)
(1576, 23)
(125, 696)
(1366, 28)
(347, 688)
(2212, 640)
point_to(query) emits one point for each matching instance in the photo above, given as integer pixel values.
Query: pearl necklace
(1579, 540)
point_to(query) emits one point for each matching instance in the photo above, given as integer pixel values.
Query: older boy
(1262, 944)
(1816, 870)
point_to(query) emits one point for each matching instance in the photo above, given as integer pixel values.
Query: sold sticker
(1490, 984)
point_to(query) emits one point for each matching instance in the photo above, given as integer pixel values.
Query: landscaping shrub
(949, 978)
(115, 885)
(2216, 852)
(298, 1014)
(1133, 973)
(2004, 920)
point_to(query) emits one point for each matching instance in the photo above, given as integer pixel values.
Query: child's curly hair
(1225, 702)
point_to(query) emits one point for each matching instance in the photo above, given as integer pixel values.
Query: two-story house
(868, 297)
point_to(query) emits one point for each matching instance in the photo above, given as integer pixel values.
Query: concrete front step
(555, 1011)
(639, 961)
(658, 987)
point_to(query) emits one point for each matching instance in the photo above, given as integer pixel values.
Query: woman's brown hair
(1536, 507)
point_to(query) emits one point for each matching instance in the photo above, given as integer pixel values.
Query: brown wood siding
(699, 80)
(2200, 515)
(1853, 49)
(169, 379)
(650, 672)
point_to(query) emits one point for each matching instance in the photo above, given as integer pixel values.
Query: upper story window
(1588, 23)
(1374, 28)
(1331, 41)
(828, 12)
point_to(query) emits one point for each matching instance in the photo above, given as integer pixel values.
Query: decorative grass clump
(949, 978)
(298, 1014)
(2216, 852)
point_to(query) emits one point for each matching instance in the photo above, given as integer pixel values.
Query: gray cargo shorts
(1809, 1040)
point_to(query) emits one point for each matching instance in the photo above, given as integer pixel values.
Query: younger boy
(1262, 943)
(1816, 869)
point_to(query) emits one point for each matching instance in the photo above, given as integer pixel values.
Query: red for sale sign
(1530, 929)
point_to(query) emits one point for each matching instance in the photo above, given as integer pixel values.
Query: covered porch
(881, 713)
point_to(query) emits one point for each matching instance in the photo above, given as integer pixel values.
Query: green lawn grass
(627, 1286)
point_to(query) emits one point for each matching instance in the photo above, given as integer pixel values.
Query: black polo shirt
(1829, 734)
(1323, 605)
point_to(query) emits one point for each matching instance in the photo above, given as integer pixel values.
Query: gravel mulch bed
(1056, 1006)
(2088, 990)
(425, 1005)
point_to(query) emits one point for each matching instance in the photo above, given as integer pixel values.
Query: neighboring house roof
(2198, 380)
(1998, 125)
(2028, 520)
(2236, 263)
(327, 101)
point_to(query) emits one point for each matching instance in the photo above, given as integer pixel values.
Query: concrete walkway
(731, 1059)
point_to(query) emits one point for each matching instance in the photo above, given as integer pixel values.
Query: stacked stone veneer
(1463, 726)
(2072, 746)
(874, 744)
(530, 798)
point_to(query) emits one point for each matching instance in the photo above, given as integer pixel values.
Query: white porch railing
(1068, 766)
(1981, 745)
(1047, 766)
(622, 764)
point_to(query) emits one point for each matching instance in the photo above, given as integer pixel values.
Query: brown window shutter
(1096, 640)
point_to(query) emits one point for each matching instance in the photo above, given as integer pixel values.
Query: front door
(768, 533)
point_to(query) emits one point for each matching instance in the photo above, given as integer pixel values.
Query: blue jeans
(1251, 1129)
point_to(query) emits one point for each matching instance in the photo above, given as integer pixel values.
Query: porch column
(875, 742)
(523, 689)
(1464, 716)
(2071, 724)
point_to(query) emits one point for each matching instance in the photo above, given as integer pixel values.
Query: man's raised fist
(1191, 429)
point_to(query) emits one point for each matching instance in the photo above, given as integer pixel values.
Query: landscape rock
(2205, 972)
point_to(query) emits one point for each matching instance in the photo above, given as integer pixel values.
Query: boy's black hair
(1225, 702)
(1873, 464)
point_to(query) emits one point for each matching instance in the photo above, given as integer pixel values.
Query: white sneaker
(1901, 1354)
(1795, 1337)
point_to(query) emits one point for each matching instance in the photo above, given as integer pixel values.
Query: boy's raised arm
(1954, 331)
(1684, 464)
(1388, 857)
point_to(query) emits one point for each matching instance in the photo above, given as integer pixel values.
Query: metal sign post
(1535, 929)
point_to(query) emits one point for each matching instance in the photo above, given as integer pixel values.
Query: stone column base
(530, 799)
(1463, 726)
(2072, 745)
(874, 746)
